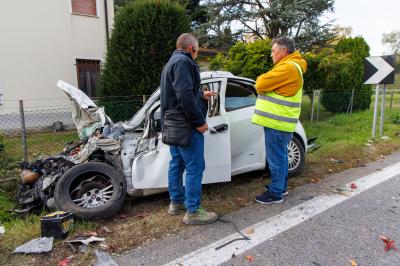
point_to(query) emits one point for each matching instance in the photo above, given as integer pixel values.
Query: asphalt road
(318, 224)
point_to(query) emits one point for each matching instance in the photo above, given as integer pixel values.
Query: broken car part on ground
(92, 176)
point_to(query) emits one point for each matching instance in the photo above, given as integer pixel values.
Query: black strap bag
(176, 129)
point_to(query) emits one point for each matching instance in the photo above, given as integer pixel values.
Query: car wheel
(296, 156)
(91, 190)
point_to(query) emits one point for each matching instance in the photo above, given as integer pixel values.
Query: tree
(345, 72)
(142, 40)
(197, 13)
(246, 60)
(273, 18)
(393, 40)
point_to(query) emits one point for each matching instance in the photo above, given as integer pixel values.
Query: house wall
(40, 41)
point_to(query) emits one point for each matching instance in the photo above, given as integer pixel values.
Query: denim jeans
(276, 147)
(190, 158)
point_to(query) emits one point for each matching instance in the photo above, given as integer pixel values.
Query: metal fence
(25, 119)
(25, 122)
(392, 100)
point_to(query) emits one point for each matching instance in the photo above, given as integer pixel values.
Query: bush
(394, 117)
(358, 49)
(142, 41)
(246, 60)
(338, 81)
(315, 76)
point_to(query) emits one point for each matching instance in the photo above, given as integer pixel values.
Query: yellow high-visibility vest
(279, 112)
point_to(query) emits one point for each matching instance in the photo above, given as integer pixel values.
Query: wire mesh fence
(33, 128)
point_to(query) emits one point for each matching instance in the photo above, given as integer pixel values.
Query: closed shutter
(85, 7)
(88, 76)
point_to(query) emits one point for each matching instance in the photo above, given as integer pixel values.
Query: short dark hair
(185, 40)
(286, 42)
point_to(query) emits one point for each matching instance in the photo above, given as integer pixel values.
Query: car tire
(91, 190)
(296, 156)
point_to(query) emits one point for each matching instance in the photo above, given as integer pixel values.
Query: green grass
(38, 143)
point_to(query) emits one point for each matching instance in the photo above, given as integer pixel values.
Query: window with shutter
(88, 76)
(84, 7)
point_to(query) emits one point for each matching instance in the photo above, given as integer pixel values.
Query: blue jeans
(190, 158)
(276, 147)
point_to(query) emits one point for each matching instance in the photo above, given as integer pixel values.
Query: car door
(247, 139)
(217, 149)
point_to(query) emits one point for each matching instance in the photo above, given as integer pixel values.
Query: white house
(43, 41)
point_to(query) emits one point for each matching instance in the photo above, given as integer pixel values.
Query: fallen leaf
(330, 170)
(250, 231)
(353, 262)
(314, 180)
(64, 262)
(353, 186)
(250, 258)
(389, 243)
(239, 199)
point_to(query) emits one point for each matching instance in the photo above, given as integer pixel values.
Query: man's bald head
(185, 41)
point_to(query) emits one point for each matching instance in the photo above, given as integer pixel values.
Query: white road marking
(275, 225)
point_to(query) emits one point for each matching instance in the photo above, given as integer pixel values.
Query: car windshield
(138, 118)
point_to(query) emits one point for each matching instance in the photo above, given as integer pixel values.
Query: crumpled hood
(87, 116)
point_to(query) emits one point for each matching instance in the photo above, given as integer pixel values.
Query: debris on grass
(141, 215)
(389, 243)
(336, 160)
(91, 233)
(83, 248)
(105, 229)
(65, 262)
(104, 259)
(2, 230)
(37, 245)
(86, 241)
(250, 258)
(353, 186)
(109, 247)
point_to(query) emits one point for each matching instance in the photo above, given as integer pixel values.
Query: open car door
(217, 150)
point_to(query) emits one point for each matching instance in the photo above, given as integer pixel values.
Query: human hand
(208, 94)
(202, 128)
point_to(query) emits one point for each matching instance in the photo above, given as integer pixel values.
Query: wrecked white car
(92, 176)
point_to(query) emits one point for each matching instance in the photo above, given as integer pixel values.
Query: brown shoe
(199, 217)
(175, 209)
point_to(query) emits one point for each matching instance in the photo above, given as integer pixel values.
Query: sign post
(379, 70)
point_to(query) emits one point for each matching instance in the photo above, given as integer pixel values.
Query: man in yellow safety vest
(277, 110)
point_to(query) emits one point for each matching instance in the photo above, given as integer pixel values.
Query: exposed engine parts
(37, 182)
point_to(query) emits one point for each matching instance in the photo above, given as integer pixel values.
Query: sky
(370, 19)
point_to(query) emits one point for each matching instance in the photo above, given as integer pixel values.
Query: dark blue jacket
(180, 88)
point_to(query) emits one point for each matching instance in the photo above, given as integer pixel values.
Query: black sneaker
(267, 198)
(285, 193)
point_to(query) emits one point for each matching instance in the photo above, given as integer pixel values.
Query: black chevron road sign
(379, 69)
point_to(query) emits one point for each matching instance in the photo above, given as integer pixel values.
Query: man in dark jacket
(180, 90)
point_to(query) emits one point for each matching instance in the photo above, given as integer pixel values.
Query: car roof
(221, 74)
